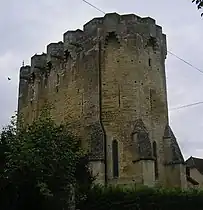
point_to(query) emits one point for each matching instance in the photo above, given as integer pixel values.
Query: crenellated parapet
(143, 30)
(125, 26)
(130, 30)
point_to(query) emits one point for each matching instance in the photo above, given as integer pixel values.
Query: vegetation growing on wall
(40, 165)
(141, 199)
(199, 4)
(43, 167)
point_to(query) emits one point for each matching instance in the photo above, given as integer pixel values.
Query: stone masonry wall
(108, 81)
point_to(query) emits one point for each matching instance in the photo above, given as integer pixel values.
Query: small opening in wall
(156, 160)
(135, 81)
(139, 61)
(115, 159)
(118, 61)
(149, 61)
(142, 83)
(131, 60)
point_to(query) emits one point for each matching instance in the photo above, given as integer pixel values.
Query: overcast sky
(26, 27)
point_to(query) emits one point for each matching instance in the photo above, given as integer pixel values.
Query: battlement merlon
(124, 25)
(38, 63)
(72, 38)
(55, 51)
(111, 21)
(25, 72)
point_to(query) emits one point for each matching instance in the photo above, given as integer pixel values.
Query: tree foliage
(199, 4)
(39, 163)
(141, 198)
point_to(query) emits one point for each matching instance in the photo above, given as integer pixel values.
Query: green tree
(199, 4)
(40, 163)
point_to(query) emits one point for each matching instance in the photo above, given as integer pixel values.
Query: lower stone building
(194, 172)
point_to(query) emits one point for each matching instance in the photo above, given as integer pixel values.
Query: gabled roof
(194, 162)
(177, 156)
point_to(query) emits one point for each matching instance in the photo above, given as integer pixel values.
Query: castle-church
(108, 81)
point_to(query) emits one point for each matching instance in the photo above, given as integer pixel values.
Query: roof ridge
(197, 158)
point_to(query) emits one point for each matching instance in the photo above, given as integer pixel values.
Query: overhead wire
(186, 62)
(186, 106)
(87, 2)
(171, 53)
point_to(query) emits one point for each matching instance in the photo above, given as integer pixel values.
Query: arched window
(156, 161)
(115, 159)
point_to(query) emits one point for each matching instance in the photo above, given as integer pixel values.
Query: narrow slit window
(150, 61)
(156, 161)
(115, 159)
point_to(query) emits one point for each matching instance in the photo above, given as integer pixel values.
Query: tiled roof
(177, 156)
(194, 162)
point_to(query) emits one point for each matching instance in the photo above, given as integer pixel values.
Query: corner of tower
(24, 77)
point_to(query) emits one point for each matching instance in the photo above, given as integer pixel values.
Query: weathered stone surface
(141, 141)
(107, 81)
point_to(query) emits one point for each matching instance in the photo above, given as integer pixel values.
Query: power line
(186, 106)
(94, 6)
(185, 62)
(181, 59)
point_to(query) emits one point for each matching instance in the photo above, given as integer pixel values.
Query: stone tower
(108, 81)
